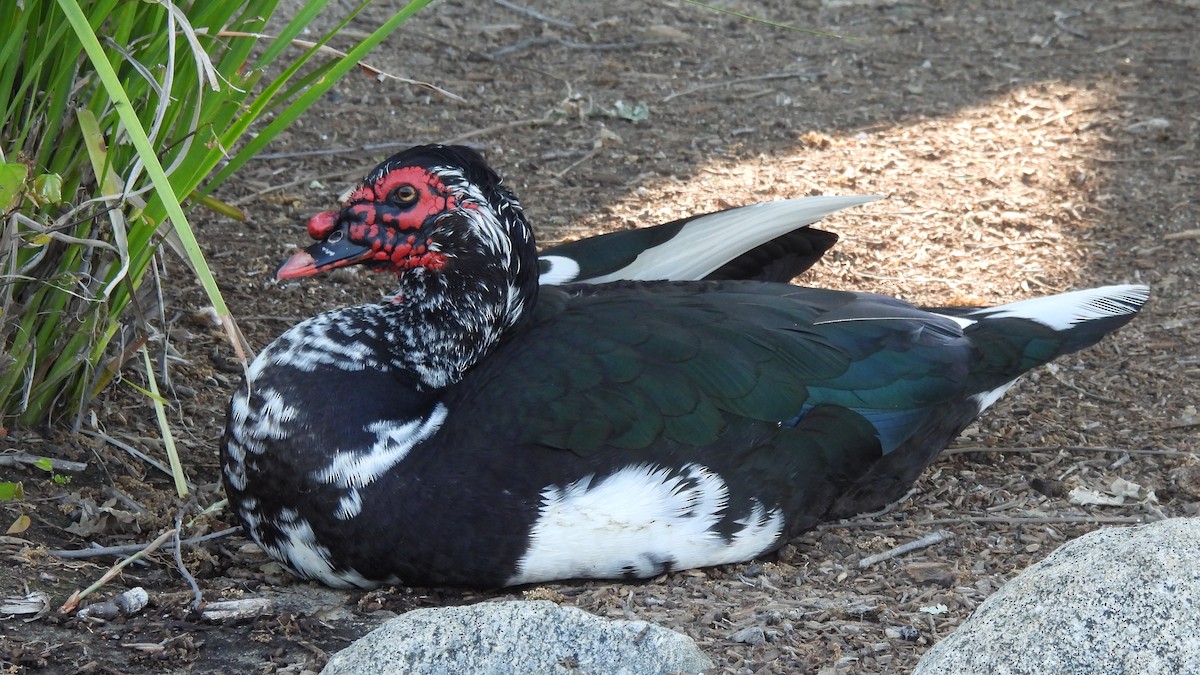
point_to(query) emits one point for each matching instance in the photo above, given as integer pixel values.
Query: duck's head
(432, 214)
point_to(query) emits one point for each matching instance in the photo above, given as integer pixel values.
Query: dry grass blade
(72, 602)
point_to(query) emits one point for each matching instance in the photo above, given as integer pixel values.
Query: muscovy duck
(482, 429)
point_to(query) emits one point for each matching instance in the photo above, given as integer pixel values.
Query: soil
(1023, 150)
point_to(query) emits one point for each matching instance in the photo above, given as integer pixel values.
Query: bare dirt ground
(1024, 148)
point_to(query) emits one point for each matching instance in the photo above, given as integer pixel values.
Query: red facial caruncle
(391, 212)
(385, 223)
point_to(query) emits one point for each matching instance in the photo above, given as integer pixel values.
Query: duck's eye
(404, 195)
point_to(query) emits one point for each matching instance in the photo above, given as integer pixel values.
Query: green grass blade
(137, 135)
(304, 101)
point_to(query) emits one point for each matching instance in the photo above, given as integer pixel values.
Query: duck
(480, 428)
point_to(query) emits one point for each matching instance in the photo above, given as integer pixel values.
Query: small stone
(236, 610)
(665, 33)
(1154, 125)
(132, 601)
(1049, 487)
(99, 611)
(752, 635)
(906, 633)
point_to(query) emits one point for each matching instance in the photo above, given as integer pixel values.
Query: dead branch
(926, 541)
(133, 548)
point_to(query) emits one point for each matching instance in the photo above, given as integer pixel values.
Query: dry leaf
(19, 525)
(30, 607)
(101, 519)
(1086, 497)
(1123, 488)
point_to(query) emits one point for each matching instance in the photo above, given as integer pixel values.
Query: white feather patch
(985, 399)
(299, 548)
(962, 321)
(314, 342)
(1065, 310)
(561, 270)
(235, 464)
(639, 521)
(355, 469)
(272, 415)
(703, 245)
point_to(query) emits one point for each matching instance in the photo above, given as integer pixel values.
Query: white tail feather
(1065, 310)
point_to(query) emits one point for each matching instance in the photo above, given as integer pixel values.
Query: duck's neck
(440, 322)
(438, 326)
(435, 328)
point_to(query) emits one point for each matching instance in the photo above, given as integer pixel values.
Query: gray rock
(516, 638)
(1113, 601)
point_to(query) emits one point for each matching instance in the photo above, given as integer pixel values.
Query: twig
(343, 173)
(888, 509)
(922, 280)
(1005, 520)
(198, 597)
(236, 610)
(456, 140)
(1021, 243)
(1132, 160)
(1060, 22)
(1036, 520)
(535, 14)
(592, 153)
(133, 451)
(24, 458)
(376, 73)
(1068, 448)
(1179, 236)
(73, 602)
(569, 44)
(365, 147)
(741, 80)
(129, 502)
(132, 548)
(530, 122)
(926, 541)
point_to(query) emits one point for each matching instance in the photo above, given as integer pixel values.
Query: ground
(1023, 149)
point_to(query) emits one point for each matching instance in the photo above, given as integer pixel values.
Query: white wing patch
(1065, 310)
(562, 270)
(703, 244)
(640, 521)
(355, 469)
